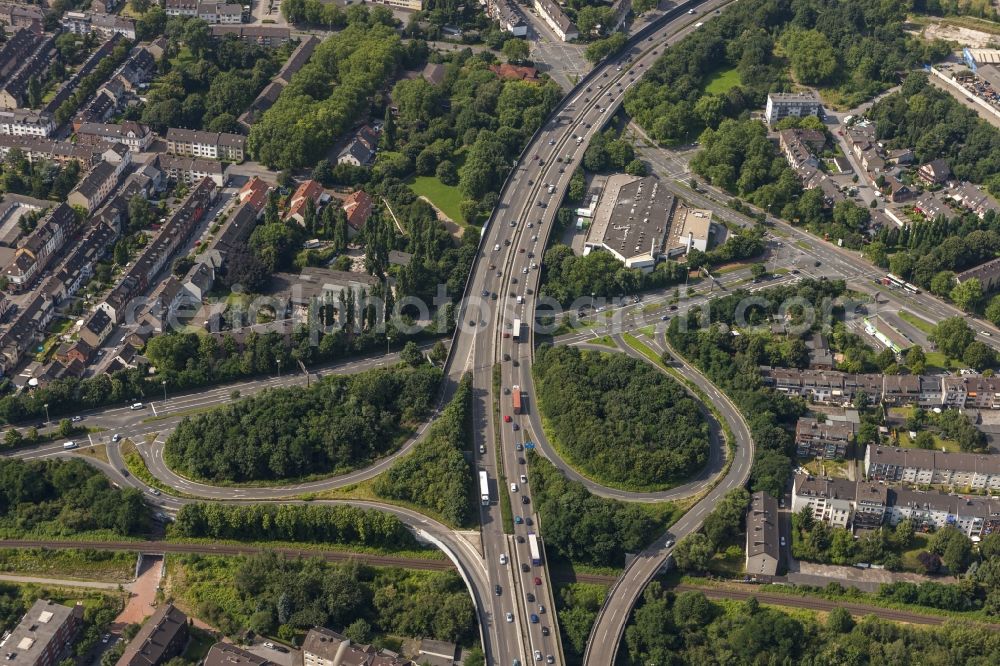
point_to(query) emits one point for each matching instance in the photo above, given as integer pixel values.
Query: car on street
(782, 541)
(520, 539)
(155, 491)
(115, 437)
(506, 418)
(545, 631)
(513, 487)
(538, 581)
(516, 427)
(136, 406)
(269, 645)
(534, 619)
(524, 565)
(524, 499)
(498, 590)
(530, 597)
(77, 419)
(510, 617)
(538, 655)
(503, 558)
(518, 520)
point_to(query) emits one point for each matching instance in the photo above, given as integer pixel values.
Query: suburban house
(309, 190)
(357, 206)
(162, 637)
(360, 151)
(934, 172)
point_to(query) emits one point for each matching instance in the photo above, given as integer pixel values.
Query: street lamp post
(279, 366)
(47, 419)
(164, 382)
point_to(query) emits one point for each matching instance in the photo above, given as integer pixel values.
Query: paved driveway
(141, 603)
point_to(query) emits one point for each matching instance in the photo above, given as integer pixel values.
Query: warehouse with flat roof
(632, 220)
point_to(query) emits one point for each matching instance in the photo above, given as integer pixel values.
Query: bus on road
(484, 488)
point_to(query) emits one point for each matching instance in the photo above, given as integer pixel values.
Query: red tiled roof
(358, 206)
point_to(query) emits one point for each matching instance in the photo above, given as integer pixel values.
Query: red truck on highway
(515, 398)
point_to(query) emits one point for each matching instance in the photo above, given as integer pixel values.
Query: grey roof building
(763, 551)
(43, 636)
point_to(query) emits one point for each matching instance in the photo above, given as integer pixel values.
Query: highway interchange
(501, 288)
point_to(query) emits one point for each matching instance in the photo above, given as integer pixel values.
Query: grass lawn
(909, 557)
(949, 445)
(115, 567)
(446, 197)
(722, 80)
(938, 361)
(603, 340)
(919, 322)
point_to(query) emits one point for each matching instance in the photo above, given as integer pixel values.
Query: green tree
(968, 294)
(924, 440)
(943, 283)
(916, 359)
(516, 51)
(693, 553)
(814, 60)
(839, 621)
(411, 354)
(636, 168)
(65, 427)
(979, 356)
(952, 336)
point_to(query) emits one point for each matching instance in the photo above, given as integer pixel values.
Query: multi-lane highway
(501, 292)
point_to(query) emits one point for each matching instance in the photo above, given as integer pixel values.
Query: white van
(496, 248)
(69, 445)
(520, 299)
(136, 406)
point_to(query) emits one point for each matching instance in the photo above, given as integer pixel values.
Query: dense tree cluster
(58, 498)
(934, 124)
(11, 605)
(436, 475)
(212, 89)
(568, 276)
(310, 523)
(326, 96)
(619, 419)
(721, 528)
(816, 541)
(40, 180)
(856, 47)
(332, 426)
(583, 528)
(739, 158)
(689, 629)
(271, 595)
(733, 363)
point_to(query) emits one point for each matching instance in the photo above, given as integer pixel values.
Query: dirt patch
(142, 600)
(455, 229)
(974, 39)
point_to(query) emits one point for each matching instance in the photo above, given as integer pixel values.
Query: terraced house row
(928, 391)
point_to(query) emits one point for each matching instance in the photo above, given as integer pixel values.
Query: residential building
(130, 133)
(831, 500)
(99, 182)
(269, 36)
(226, 654)
(96, 328)
(181, 8)
(987, 273)
(211, 145)
(830, 440)
(309, 190)
(36, 250)
(105, 6)
(297, 60)
(360, 151)
(163, 636)
(173, 234)
(357, 206)
(820, 356)
(25, 122)
(840, 388)
(25, 331)
(972, 197)
(898, 190)
(509, 18)
(971, 392)
(934, 172)
(412, 5)
(509, 72)
(763, 551)
(105, 25)
(784, 105)
(800, 146)
(69, 86)
(928, 467)
(931, 206)
(220, 13)
(190, 169)
(323, 647)
(550, 12)
(38, 149)
(632, 221)
(255, 191)
(19, 16)
(23, 59)
(973, 516)
(44, 635)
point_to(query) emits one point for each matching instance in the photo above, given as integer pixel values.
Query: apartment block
(191, 169)
(926, 467)
(831, 500)
(209, 145)
(323, 647)
(38, 149)
(784, 105)
(25, 122)
(98, 184)
(550, 12)
(831, 386)
(163, 636)
(44, 635)
(269, 36)
(105, 25)
(830, 440)
(130, 133)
